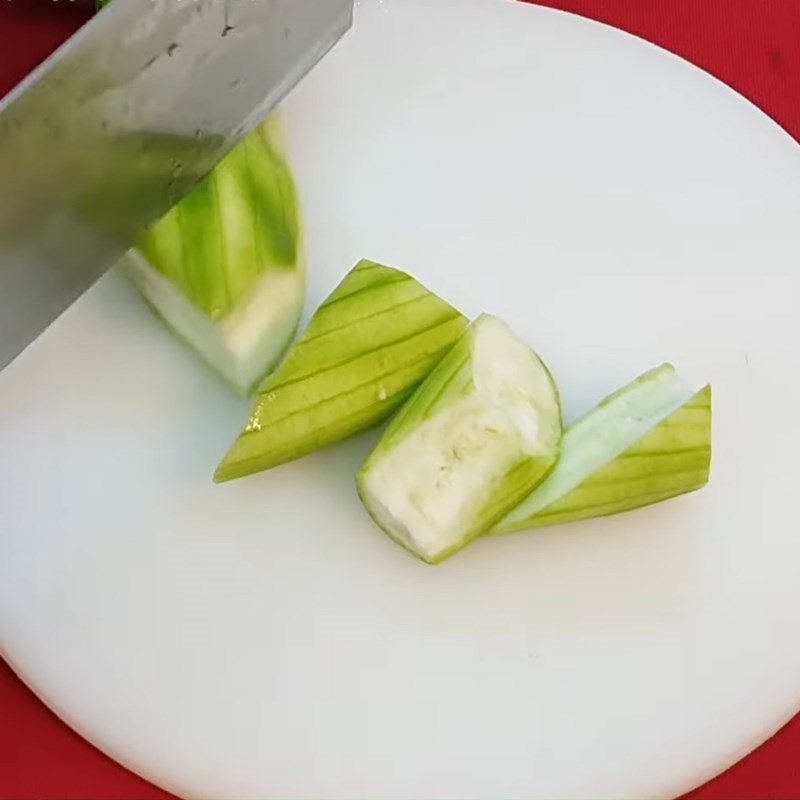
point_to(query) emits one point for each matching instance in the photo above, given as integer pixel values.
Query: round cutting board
(262, 638)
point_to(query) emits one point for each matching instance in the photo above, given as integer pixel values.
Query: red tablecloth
(753, 45)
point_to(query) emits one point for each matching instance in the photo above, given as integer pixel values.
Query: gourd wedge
(647, 442)
(366, 349)
(479, 434)
(224, 267)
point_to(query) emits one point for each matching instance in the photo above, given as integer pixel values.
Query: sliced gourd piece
(479, 434)
(647, 442)
(224, 267)
(366, 349)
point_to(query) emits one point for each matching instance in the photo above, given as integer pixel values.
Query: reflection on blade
(122, 122)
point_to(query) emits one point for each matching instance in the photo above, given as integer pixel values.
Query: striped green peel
(369, 345)
(224, 267)
(480, 433)
(648, 442)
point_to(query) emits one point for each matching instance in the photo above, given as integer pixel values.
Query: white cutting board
(263, 639)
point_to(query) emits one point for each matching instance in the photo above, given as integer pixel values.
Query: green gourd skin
(671, 457)
(366, 349)
(224, 268)
(241, 220)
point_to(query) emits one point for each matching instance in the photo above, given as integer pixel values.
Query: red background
(752, 45)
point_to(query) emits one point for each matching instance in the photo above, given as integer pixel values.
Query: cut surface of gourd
(476, 437)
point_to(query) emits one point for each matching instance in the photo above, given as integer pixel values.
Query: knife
(122, 122)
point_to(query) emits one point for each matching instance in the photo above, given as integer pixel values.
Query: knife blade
(122, 122)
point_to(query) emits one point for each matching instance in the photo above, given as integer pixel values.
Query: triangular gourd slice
(647, 442)
(482, 430)
(367, 348)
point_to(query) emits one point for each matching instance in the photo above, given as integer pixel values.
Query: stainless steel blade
(122, 121)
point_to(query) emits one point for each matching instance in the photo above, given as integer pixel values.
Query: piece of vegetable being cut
(224, 268)
(647, 442)
(369, 345)
(479, 434)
